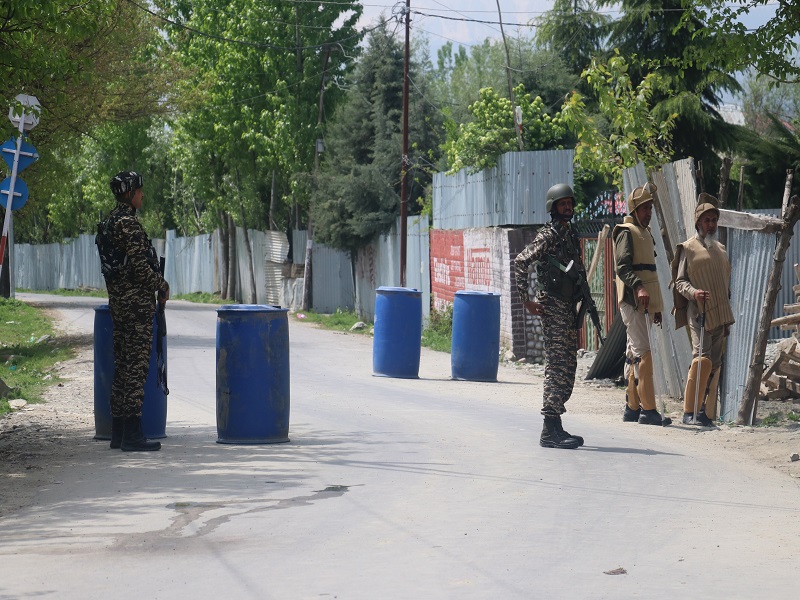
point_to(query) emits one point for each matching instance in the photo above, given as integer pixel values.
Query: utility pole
(405, 162)
(517, 115)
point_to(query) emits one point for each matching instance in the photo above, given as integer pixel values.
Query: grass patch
(438, 334)
(771, 420)
(341, 320)
(28, 351)
(202, 298)
(793, 417)
(91, 292)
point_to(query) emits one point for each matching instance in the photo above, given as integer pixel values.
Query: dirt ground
(37, 439)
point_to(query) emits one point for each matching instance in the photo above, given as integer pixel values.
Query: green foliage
(26, 358)
(771, 420)
(770, 48)
(341, 320)
(634, 132)
(80, 292)
(201, 298)
(438, 334)
(793, 416)
(573, 30)
(476, 145)
(356, 193)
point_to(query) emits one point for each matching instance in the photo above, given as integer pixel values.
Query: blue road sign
(20, 193)
(27, 154)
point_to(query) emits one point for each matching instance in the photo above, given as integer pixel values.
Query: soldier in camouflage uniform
(132, 280)
(556, 258)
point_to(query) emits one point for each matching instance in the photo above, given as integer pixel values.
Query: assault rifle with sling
(161, 332)
(584, 294)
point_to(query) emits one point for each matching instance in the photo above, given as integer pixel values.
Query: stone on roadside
(794, 457)
(358, 326)
(17, 404)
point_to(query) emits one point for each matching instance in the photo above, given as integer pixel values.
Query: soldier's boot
(632, 403)
(690, 390)
(133, 439)
(566, 434)
(647, 392)
(117, 424)
(552, 438)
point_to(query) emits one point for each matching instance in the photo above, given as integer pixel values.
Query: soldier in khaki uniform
(701, 275)
(638, 293)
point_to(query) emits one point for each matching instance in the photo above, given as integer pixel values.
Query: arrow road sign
(27, 154)
(20, 193)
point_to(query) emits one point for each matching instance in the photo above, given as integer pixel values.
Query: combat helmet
(705, 203)
(125, 181)
(641, 195)
(556, 193)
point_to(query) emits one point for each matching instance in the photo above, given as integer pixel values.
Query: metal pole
(10, 201)
(404, 162)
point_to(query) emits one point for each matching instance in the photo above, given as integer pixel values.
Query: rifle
(161, 333)
(584, 294)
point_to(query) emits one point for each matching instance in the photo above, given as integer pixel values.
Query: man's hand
(163, 297)
(657, 318)
(535, 308)
(701, 296)
(642, 298)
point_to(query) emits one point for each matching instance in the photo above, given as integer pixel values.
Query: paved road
(394, 489)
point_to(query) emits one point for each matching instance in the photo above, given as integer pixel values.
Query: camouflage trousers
(133, 342)
(560, 354)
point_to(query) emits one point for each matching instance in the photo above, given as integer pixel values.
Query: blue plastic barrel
(475, 347)
(398, 332)
(252, 374)
(154, 407)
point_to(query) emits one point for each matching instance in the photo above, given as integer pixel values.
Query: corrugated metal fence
(512, 193)
(193, 264)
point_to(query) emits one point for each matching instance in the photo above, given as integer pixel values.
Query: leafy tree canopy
(634, 131)
(477, 145)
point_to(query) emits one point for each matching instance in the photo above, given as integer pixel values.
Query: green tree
(477, 145)
(633, 132)
(574, 31)
(663, 31)
(770, 49)
(356, 194)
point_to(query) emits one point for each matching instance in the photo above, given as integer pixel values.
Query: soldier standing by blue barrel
(556, 259)
(131, 270)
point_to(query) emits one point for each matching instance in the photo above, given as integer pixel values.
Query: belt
(641, 267)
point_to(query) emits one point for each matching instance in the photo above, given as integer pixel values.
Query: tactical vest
(644, 263)
(550, 276)
(708, 269)
(112, 259)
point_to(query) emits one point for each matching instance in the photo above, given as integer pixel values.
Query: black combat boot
(703, 419)
(117, 424)
(567, 434)
(630, 415)
(133, 439)
(553, 438)
(650, 417)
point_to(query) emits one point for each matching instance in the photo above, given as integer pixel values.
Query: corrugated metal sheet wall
(512, 193)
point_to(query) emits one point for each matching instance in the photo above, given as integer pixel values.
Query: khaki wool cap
(705, 203)
(641, 195)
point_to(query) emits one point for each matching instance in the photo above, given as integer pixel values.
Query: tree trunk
(747, 408)
(252, 296)
(232, 266)
(223, 245)
(273, 203)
